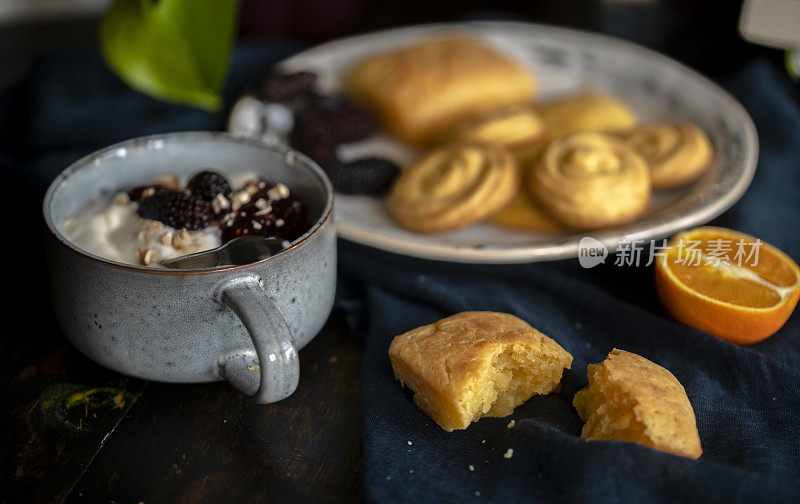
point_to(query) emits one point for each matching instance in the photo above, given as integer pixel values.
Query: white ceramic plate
(564, 62)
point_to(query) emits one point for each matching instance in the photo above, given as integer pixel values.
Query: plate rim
(567, 247)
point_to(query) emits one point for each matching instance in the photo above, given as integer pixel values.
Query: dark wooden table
(75, 432)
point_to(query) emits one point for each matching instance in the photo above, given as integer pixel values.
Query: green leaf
(209, 27)
(175, 50)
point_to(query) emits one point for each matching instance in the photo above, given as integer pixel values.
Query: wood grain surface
(79, 433)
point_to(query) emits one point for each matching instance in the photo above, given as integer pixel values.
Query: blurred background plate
(564, 62)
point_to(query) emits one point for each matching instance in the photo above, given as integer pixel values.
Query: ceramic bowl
(243, 324)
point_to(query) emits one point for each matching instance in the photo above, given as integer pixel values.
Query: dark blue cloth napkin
(745, 398)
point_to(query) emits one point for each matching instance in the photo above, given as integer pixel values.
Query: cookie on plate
(454, 186)
(476, 364)
(423, 91)
(518, 128)
(632, 399)
(676, 153)
(591, 181)
(587, 112)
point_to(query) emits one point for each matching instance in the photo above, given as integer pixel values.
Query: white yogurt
(113, 230)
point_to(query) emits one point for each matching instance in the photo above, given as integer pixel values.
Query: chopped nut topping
(168, 180)
(148, 192)
(146, 256)
(280, 191)
(279, 222)
(509, 453)
(182, 239)
(239, 198)
(261, 203)
(264, 211)
(257, 225)
(511, 424)
(220, 203)
(121, 198)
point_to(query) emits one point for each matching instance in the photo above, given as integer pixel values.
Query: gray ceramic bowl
(243, 324)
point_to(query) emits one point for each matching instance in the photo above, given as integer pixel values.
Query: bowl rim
(291, 156)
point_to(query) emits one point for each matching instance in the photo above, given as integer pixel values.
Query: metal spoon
(244, 249)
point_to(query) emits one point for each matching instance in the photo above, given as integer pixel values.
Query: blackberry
(363, 176)
(285, 87)
(176, 209)
(347, 122)
(207, 184)
(138, 192)
(327, 122)
(286, 218)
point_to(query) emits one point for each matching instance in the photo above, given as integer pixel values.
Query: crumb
(578, 326)
(511, 424)
(471, 467)
(409, 443)
(388, 478)
(477, 493)
(411, 471)
(509, 453)
(333, 359)
(483, 442)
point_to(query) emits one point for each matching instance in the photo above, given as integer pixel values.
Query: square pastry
(423, 91)
(476, 364)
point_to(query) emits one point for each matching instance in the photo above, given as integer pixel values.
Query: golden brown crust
(587, 112)
(525, 213)
(518, 128)
(632, 399)
(460, 368)
(676, 153)
(454, 186)
(590, 181)
(424, 90)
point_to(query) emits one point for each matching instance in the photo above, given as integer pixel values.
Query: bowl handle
(278, 363)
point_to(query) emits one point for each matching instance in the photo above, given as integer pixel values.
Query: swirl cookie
(476, 364)
(590, 181)
(453, 187)
(518, 128)
(589, 112)
(676, 153)
(423, 91)
(632, 399)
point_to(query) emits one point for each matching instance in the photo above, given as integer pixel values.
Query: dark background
(700, 33)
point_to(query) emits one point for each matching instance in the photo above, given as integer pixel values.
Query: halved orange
(726, 283)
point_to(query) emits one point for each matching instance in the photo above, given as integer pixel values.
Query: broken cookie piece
(476, 364)
(632, 399)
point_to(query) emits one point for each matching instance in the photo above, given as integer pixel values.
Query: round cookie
(676, 153)
(588, 112)
(591, 181)
(454, 186)
(632, 399)
(518, 128)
